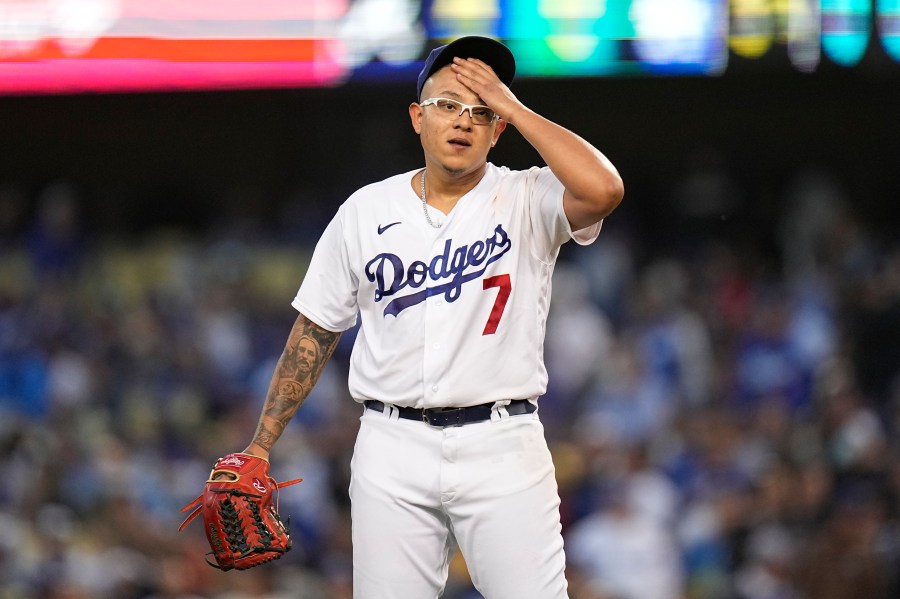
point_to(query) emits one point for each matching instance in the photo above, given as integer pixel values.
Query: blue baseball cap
(489, 50)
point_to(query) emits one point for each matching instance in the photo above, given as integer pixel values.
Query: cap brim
(486, 49)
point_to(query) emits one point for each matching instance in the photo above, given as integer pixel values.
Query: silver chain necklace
(425, 205)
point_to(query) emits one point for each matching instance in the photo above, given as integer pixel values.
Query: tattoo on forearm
(308, 349)
(265, 438)
(291, 389)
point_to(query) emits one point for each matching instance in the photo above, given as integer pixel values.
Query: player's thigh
(507, 516)
(401, 543)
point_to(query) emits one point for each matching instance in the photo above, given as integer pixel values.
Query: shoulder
(537, 183)
(508, 176)
(374, 202)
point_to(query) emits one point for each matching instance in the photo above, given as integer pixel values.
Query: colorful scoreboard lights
(68, 46)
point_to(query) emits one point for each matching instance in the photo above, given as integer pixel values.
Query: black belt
(454, 416)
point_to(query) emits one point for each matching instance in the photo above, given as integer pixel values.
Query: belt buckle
(444, 416)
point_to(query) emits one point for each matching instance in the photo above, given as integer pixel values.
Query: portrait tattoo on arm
(308, 349)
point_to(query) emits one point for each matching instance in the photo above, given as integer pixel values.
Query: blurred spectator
(768, 362)
(577, 343)
(674, 339)
(609, 269)
(768, 571)
(628, 403)
(844, 561)
(55, 240)
(813, 205)
(624, 550)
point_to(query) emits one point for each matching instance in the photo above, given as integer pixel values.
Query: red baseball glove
(240, 513)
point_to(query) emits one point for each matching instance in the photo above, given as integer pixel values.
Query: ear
(499, 127)
(415, 115)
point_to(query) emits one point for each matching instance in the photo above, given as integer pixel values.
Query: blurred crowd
(722, 409)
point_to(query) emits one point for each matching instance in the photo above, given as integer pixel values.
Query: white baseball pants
(489, 488)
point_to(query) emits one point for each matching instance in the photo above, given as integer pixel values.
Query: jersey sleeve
(548, 216)
(328, 293)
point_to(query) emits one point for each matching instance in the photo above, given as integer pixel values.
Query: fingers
(479, 77)
(475, 71)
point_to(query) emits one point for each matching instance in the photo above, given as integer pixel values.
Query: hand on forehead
(444, 84)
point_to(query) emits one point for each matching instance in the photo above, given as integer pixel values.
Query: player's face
(457, 144)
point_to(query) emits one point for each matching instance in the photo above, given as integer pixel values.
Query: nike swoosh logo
(383, 228)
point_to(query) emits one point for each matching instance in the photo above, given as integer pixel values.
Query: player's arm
(291, 384)
(593, 187)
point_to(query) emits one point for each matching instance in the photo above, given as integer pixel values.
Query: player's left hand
(240, 513)
(479, 77)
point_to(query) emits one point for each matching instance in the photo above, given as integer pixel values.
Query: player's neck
(444, 188)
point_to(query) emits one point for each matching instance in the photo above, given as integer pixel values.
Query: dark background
(162, 159)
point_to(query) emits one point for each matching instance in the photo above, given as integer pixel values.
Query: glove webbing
(234, 532)
(232, 523)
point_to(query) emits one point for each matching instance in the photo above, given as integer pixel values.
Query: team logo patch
(447, 272)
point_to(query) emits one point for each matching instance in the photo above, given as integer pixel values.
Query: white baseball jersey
(451, 316)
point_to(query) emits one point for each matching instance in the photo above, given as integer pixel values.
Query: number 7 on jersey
(505, 285)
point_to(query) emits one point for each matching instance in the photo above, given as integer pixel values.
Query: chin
(457, 169)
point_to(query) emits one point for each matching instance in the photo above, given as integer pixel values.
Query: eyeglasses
(451, 109)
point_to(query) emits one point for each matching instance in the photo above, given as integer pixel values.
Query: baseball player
(449, 269)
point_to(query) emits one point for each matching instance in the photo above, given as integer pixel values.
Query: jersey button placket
(433, 360)
(436, 316)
